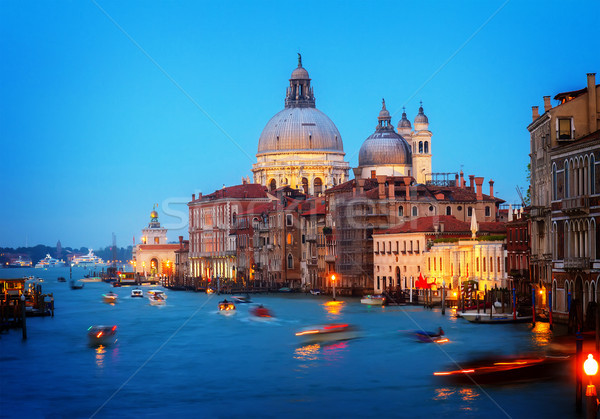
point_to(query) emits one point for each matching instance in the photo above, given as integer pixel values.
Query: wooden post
(578, 374)
(550, 308)
(444, 300)
(23, 317)
(533, 303)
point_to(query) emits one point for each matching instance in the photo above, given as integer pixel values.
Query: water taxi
(137, 293)
(241, 299)
(327, 333)
(157, 299)
(102, 335)
(227, 308)
(110, 297)
(158, 293)
(373, 300)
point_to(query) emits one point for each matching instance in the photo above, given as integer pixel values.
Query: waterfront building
(212, 252)
(182, 277)
(154, 256)
(360, 207)
(300, 146)
(565, 200)
(518, 251)
(312, 264)
(442, 249)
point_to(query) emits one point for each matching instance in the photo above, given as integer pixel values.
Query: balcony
(576, 206)
(577, 263)
(330, 258)
(538, 212)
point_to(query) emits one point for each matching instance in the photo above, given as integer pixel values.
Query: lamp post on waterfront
(590, 366)
(333, 284)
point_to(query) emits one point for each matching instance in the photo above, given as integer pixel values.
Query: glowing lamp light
(541, 292)
(333, 277)
(590, 366)
(454, 294)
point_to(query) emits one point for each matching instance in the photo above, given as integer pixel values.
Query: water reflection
(333, 308)
(466, 394)
(100, 354)
(541, 335)
(334, 352)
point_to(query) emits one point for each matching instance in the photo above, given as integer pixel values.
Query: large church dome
(385, 146)
(300, 129)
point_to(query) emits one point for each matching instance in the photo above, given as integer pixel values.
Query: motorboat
(157, 299)
(227, 308)
(102, 335)
(61, 279)
(241, 299)
(159, 293)
(76, 285)
(315, 292)
(87, 261)
(110, 297)
(430, 337)
(507, 370)
(327, 333)
(373, 300)
(260, 312)
(49, 262)
(495, 318)
(137, 293)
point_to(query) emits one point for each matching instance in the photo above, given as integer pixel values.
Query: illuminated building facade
(154, 256)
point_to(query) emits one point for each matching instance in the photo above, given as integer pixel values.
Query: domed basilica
(300, 146)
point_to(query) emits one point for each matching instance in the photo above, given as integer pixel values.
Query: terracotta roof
(318, 208)
(257, 209)
(451, 225)
(243, 191)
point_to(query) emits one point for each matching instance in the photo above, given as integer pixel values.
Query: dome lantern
(299, 94)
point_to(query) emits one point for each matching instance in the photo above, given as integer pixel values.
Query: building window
(156, 240)
(318, 184)
(567, 192)
(289, 238)
(498, 263)
(483, 260)
(426, 147)
(373, 174)
(565, 129)
(554, 183)
(415, 212)
(290, 261)
(448, 210)
(470, 212)
(400, 211)
(488, 212)
(305, 185)
(477, 265)
(592, 175)
(420, 147)
(288, 220)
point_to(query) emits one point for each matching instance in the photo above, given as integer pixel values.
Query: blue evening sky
(93, 132)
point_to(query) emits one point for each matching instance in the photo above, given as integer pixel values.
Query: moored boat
(61, 279)
(495, 318)
(87, 261)
(373, 300)
(227, 308)
(49, 262)
(102, 335)
(76, 285)
(327, 333)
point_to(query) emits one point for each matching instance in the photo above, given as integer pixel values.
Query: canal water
(185, 360)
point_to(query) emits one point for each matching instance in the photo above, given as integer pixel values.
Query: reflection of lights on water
(333, 307)
(468, 394)
(541, 334)
(100, 353)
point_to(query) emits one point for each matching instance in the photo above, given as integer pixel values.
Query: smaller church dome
(421, 118)
(404, 122)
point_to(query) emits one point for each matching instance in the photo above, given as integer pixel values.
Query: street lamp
(590, 366)
(333, 283)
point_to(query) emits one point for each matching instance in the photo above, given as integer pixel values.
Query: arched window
(567, 192)
(289, 238)
(426, 147)
(415, 211)
(554, 183)
(290, 261)
(272, 185)
(401, 211)
(420, 147)
(318, 186)
(448, 210)
(592, 175)
(305, 185)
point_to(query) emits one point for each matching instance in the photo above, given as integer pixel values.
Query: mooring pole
(23, 316)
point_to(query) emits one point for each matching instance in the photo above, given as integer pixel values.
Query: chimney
(361, 186)
(535, 113)
(391, 189)
(592, 109)
(381, 183)
(462, 182)
(357, 173)
(407, 186)
(547, 104)
(180, 242)
(193, 197)
(491, 188)
(479, 185)
(456, 180)
(471, 186)
(441, 227)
